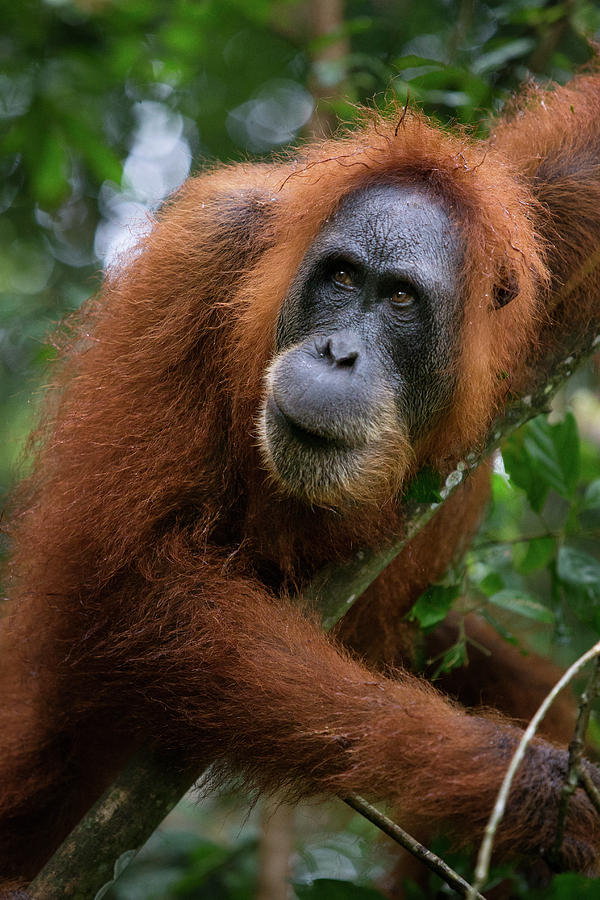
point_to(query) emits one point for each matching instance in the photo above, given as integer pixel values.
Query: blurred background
(105, 108)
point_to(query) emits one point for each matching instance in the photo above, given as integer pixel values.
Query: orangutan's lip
(300, 433)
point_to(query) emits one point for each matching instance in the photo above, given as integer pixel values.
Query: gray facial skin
(368, 332)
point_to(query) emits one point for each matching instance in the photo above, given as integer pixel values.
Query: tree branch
(485, 852)
(413, 846)
(576, 748)
(132, 808)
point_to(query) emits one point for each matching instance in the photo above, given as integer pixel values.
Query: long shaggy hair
(153, 550)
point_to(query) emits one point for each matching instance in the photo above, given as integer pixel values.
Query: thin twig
(431, 860)
(590, 788)
(403, 116)
(576, 748)
(485, 851)
(525, 539)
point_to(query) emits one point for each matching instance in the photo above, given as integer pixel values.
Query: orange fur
(153, 553)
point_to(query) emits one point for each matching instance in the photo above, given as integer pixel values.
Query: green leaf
(491, 584)
(591, 498)
(502, 489)
(332, 889)
(593, 734)
(534, 15)
(579, 577)
(49, 179)
(494, 59)
(411, 61)
(454, 657)
(578, 568)
(122, 862)
(554, 451)
(102, 162)
(543, 456)
(434, 604)
(523, 604)
(538, 552)
(519, 466)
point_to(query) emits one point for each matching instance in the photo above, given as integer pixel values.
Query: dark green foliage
(543, 456)
(566, 887)
(182, 863)
(536, 564)
(185, 866)
(433, 606)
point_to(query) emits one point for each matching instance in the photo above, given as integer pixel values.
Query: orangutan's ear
(505, 291)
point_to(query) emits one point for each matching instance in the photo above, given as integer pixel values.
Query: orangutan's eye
(402, 298)
(343, 277)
